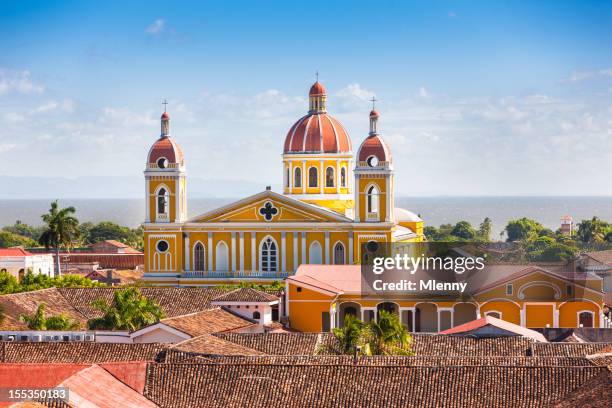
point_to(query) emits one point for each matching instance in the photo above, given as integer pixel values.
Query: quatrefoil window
(268, 211)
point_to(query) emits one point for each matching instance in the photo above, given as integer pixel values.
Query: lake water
(434, 210)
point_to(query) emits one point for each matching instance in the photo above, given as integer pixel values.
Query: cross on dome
(165, 103)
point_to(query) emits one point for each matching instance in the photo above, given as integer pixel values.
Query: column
(210, 251)
(283, 251)
(177, 201)
(356, 187)
(321, 176)
(233, 268)
(350, 247)
(304, 248)
(295, 250)
(187, 249)
(337, 174)
(148, 217)
(387, 199)
(556, 317)
(241, 244)
(253, 253)
(327, 260)
(290, 176)
(304, 176)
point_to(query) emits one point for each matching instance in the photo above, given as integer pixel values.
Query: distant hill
(117, 187)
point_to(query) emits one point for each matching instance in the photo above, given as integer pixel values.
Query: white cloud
(588, 75)
(157, 27)
(5, 147)
(13, 117)
(355, 91)
(18, 81)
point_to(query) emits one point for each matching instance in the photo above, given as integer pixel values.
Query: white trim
(501, 315)
(592, 313)
(159, 325)
(321, 177)
(306, 132)
(283, 251)
(254, 262)
(233, 266)
(521, 295)
(210, 256)
(241, 245)
(297, 124)
(327, 260)
(186, 252)
(295, 250)
(310, 252)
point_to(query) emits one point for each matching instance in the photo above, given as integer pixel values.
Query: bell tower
(374, 181)
(165, 181)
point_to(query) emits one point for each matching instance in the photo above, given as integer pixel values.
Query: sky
(476, 97)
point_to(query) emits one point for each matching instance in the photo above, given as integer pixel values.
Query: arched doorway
(426, 318)
(315, 254)
(387, 307)
(586, 319)
(463, 313)
(348, 308)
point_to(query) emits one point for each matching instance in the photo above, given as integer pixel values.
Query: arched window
(313, 177)
(494, 314)
(222, 257)
(315, 254)
(268, 255)
(372, 200)
(297, 177)
(162, 201)
(199, 257)
(339, 254)
(287, 178)
(343, 177)
(585, 319)
(256, 316)
(329, 177)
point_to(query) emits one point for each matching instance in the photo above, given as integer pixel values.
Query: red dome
(165, 115)
(374, 114)
(317, 89)
(168, 148)
(317, 133)
(374, 145)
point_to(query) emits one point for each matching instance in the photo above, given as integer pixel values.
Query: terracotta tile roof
(604, 257)
(177, 356)
(317, 133)
(96, 387)
(173, 301)
(17, 251)
(276, 343)
(78, 352)
(246, 295)
(500, 324)
(567, 349)
(596, 393)
(210, 344)
(207, 321)
(133, 373)
(17, 304)
(219, 385)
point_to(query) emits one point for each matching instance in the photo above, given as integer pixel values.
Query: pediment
(269, 207)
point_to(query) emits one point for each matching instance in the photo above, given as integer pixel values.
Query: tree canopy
(39, 321)
(130, 310)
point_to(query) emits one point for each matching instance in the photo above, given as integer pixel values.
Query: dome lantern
(373, 118)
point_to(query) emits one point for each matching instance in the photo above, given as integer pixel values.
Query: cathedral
(333, 203)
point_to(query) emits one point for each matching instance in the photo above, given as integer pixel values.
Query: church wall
(170, 184)
(568, 313)
(509, 310)
(364, 183)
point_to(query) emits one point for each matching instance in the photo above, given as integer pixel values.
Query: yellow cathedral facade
(333, 202)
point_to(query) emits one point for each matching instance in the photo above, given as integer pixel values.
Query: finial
(317, 75)
(373, 102)
(165, 103)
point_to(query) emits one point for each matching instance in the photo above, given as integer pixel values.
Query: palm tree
(349, 336)
(130, 310)
(388, 336)
(61, 230)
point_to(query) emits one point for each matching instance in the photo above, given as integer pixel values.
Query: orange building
(320, 296)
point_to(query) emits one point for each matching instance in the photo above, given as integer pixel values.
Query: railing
(372, 217)
(168, 166)
(236, 274)
(606, 322)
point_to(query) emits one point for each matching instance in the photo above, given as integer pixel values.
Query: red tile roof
(208, 321)
(317, 133)
(246, 295)
(317, 89)
(17, 251)
(499, 323)
(374, 145)
(165, 147)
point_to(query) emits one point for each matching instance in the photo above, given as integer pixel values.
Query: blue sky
(486, 98)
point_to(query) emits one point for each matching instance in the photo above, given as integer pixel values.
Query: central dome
(317, 132)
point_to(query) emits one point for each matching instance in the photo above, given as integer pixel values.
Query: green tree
(520, 229)
(38, 320)
(61, 230)
(9, 239)
(463, 230)
(8, 283)
(25, 230)
(108, 230)
(484, 230)
(593, 230)
(349, 336)
(387, 336)
(130, 310)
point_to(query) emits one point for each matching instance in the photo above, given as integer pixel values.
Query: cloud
(588, 75)
(18, 81)
(157, 27)
(5, 147)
